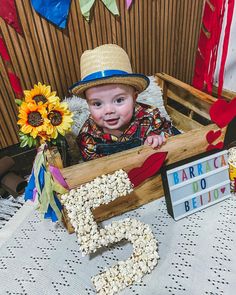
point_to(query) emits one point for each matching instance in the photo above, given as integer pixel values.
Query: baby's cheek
(96, 114)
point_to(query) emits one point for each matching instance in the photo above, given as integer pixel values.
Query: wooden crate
(189, 110)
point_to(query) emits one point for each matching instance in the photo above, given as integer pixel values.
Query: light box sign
(196, 183)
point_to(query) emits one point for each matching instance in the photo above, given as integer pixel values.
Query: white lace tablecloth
(197, 254)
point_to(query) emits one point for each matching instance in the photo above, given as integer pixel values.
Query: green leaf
(30, 141)
(54, 141)
(35, 141)
(24, 142)
(22, 137)
(18, 102)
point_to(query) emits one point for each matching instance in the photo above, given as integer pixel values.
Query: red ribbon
(225, 45)
(208, 45)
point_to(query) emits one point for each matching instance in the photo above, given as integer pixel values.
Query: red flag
(15, 83)
(9, 13)
(3, 50)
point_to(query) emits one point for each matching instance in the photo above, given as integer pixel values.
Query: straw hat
(107, 64)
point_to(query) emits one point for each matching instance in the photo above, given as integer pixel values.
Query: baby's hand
(155, 141)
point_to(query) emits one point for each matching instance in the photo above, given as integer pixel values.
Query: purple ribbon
(34, 194)
(58, 176)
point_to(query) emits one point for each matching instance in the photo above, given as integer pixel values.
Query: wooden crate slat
(178, 147)
(183, 122)
(189, 101)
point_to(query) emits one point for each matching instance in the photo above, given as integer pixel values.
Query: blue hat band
(103, 74)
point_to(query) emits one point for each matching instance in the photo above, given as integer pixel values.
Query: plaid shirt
(146, 121)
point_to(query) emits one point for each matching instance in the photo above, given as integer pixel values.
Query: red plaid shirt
(148, 120)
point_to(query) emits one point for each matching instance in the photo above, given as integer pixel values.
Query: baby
(116, 121)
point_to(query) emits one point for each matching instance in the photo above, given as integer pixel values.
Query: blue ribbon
(29, 190)
(51, 213)
(103, 74)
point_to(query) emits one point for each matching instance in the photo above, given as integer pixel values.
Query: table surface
(197, 254)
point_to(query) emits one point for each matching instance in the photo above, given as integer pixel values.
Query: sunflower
(41, 94)
(33, 119)
(60, 118)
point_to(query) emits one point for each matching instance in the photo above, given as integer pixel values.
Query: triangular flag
(111, 5)
(128, 3)
(55, 11)
(9, 13)
(85, 7)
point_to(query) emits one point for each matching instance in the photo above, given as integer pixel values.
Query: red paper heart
(150, 167)
(217, 146)
(213, 135)
(223, 112)
(222, 190)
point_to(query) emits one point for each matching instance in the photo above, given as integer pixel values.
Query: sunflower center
(55, 117)
(35, 119)
(40, 98)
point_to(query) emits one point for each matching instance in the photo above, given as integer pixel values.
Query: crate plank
(179, 147)
(183, 122)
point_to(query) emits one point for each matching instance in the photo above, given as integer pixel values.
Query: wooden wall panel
(158, 35)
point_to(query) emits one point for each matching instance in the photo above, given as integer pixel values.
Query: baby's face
(111, 106)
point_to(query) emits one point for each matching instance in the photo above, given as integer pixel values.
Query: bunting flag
(55, 11)
(86, 5)
(9, 13)
(45, 184)
(15, 83)
(208, 44)
(3, 50)
(128, 3)
(13, 78)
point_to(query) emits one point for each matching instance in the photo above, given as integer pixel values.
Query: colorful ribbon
(42, 185)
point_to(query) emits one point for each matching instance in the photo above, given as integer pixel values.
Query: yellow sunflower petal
(26, 128)
(34, 133)
(47, 91)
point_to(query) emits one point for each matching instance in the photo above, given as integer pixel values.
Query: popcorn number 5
(80, 203)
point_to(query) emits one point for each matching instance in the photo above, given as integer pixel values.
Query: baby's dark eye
(96, 104)
(120, 100)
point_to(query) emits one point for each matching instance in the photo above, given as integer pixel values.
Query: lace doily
(197, 254)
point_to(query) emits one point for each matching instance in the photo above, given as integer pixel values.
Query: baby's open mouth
(112, 121)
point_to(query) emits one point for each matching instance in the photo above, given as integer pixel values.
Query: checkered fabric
(146, 121)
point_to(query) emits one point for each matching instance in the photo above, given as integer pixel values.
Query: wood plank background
(158, 35)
